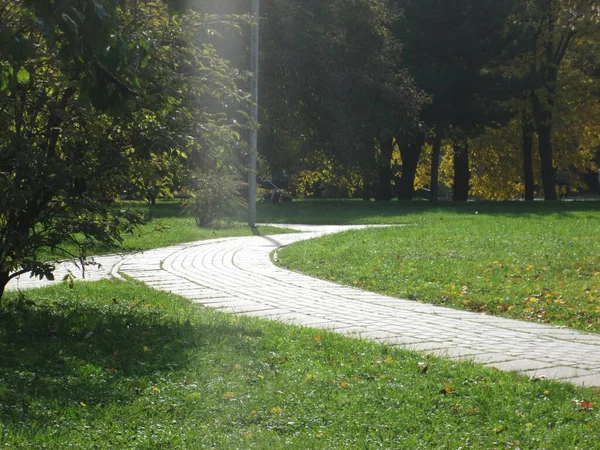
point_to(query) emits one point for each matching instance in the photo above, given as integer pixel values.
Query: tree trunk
(528, 129)
(366, 193)
(548, 172)
(543, 101)
(435, 165)
(462, 174)
(4, 279)
(411, 152)
(384, 183)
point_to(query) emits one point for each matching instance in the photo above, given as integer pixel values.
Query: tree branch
(18, 273)
(562, 47)
(108, 74)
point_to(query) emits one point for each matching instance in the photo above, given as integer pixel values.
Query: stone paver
(237, 276)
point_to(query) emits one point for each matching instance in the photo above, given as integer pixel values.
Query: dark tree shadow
(58, 355)
(355, 212)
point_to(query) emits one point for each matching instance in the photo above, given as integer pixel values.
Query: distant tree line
(494, 98)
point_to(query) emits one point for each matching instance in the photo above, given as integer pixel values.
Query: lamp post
(254, 46)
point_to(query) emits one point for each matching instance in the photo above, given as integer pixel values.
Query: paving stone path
(237, 275)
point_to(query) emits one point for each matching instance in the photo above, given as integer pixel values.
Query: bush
(215, 198)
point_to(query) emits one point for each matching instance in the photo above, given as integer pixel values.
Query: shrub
(215, 197)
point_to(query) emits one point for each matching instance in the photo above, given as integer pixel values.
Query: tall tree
(330, 71)
(454, 69)
(551, 27)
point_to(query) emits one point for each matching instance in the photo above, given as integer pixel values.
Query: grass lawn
(534, 262)
(118, 365)
(167, 226)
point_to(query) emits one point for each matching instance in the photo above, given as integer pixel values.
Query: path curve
(237, 275)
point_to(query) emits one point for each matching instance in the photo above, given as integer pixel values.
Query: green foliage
(118, 365)
(189, 110)
(347, 78)
(215, 197)
(166, 226)
(321, 178)
(59, 158)
(336, 85)
(85, 117)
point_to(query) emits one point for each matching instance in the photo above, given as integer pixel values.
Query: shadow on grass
(161, 210)
(352, 211)
(356, 211)
(62, 354)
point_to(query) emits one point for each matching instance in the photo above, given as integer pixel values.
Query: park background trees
(468, 79)
(339, 92)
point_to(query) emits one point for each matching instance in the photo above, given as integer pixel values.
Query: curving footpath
(237, 275)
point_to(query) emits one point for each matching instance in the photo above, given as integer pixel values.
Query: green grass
(537, 262)
(167, 226)
(359, 212)
(118, 365)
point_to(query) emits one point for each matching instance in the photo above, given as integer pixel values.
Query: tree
(505, 156)
(411, 147)
(333, 85)
(83, 109)
(53, 148)
(187, 114)
(455, 71)
(550, 29)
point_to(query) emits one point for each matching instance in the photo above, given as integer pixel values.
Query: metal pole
(254, 46)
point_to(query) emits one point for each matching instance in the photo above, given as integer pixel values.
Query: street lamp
(254, 46)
